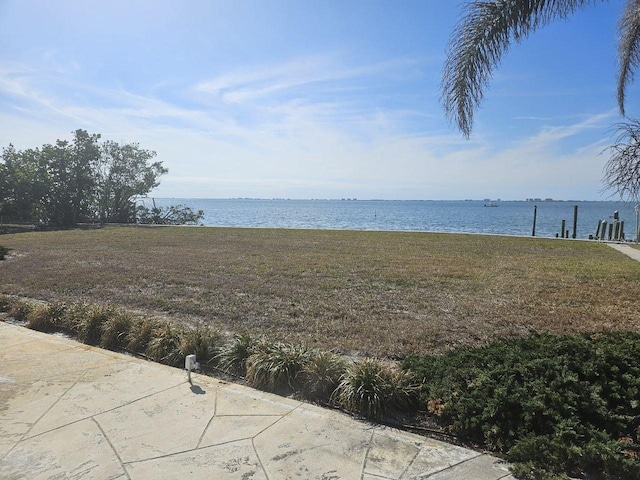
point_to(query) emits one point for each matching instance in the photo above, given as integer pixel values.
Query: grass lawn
(369, 293)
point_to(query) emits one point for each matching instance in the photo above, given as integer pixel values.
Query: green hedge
(552, 404)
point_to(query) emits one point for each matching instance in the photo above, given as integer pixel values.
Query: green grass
(371, 293)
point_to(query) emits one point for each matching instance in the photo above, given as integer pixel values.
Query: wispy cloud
(273, 130)
(325, 73)
(591, 122)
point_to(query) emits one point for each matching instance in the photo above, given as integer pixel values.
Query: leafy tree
(85, 152)
(81, 179)
(125, 174)
(4, 186)
(71, 169)
(23, 184)
(486, 32)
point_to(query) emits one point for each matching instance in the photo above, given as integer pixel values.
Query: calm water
(511, 218)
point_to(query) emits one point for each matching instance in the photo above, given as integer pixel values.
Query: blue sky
(311, 99)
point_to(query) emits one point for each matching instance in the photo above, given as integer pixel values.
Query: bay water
(463, 216)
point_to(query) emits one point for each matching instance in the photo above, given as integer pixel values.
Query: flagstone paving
(72, 411)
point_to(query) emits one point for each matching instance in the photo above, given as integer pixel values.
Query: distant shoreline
(514, 218)
(527, 200)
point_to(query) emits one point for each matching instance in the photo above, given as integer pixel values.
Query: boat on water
(491, 204)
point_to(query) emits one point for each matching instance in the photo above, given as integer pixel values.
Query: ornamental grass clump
(275, 367)
(142, 332)
(321, 375)
(48, 317)
(116, 330)
(233, 356)
(74, 316)
(372, 389)
(201, 342)
(39, 319)
(19, 309)
(91, 325)
(165, 346)
(5, 303)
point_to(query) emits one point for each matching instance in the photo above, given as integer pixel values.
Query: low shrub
(4, 251)
(553, 404)
(164, 347)
(274, 367)
(372, 389)
(116, 330)
(233, 356)
(321, 375)
(201, 342)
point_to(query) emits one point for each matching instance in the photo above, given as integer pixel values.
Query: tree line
(83, 180)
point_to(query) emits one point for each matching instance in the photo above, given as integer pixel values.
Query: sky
(312, 99)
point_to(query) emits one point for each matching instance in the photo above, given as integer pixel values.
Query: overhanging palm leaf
(628, 48)
(485, 33)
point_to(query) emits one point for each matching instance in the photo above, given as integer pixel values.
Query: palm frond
(628, 48)
(483, 35)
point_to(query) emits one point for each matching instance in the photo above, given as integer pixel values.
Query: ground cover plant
(383, 294)
(554, 404)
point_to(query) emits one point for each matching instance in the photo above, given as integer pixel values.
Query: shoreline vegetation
(527, 347)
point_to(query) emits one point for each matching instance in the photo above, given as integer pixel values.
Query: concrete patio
(68, 410)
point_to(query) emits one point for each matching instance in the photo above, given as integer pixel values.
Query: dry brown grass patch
(368, 293)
